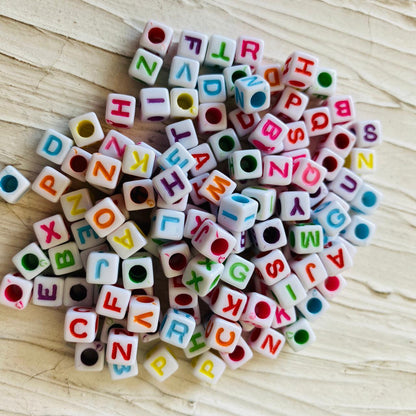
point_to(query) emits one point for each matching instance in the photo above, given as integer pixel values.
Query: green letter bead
(242, 276)
(221, 53)
(142, 61)
(308, 237)
(65, 259)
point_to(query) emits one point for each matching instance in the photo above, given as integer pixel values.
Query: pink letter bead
(160, 363)
(341, 108)
(103, 171)
(114, 145)
(80, 325)
(51, 231)
(221, 334)
(30, 261)
(54, 146)
(291, 105)
(65, 258)
(249, 51)
(77, 292)
(309, 269)
(120, 110)
(76, 163)
(143, 315)
(309, 175)
(50, 184)
(145, 66)
(259, 310)
(277, 170)
(137, 272)
(15, 291)
(86, 129)
(239, 356)
(174, 257)
(299, 335)
(194, 218)
(208, 367)
(75, 204)
(272, 266)
(313, 306)
(156, 37)
(177, 328)
(113, 301)
(121, 347)
(300, 70)
(237, 271)
(48, 291)
(102, 268)
(289, 291)
(89, 356)
(252, 94)
(227, 302)
(283, 317)
(267, 342)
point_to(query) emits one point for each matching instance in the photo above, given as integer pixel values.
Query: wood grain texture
(59, 59)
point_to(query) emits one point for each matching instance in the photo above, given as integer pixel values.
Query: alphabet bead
(309, 269)
(89, 356)
(156, 37)
(245, 164)
(268, 235)
(167, 224)
(211, 88)
(121, 347)
(76, 163)
(266, 197)
(172, 184)
(331, 286)
(300, 70)
(231, 74)
(318, 196)
(367, 200)
(85, 237)
(182, 132)
(137, 272)
(143, 315)
(50, 184)
(177, 328)
(212, 117)
(227, 302)
(221, 334)
(86, 129)
(306, 238)
(127, 239)
(120, 110)
(283, 317)
(336, 258)
(103, 171)
(291, 105)
(289, 291)
(80, 325)
(54, 146)
(324, 84)
(77, 292)
(237, 271)
(204, 158)
(249, 51)
(216, 186)
(139, 194)
(115, 144)
(313, 306)
(15, 291)
(330, 161)
(102, 268)
(224, 143)
(183, 72)
(183, 103)
(51, 231)
(48, 291)
(252, 94)
(308, 175)
(160, 363)
(30, 261)
(65, 258)
(120, 372)
(340, 141)
(361, 161)
(332, 217)
(220, 51)
(197, 344)
(113, 301)
(346, 185)
(208, 368)
(239, 356)
(145, 66)
(272, 73)
(180, 296)
(193, 45)
(272, 266)
(294, 206)
(138, 161)
(196, 184)
(176, 155)
(174, 258)
(277, 170)
(155, 104)
(179, 205)
(243, 123)
(259, 310)
(360, 231)
(267, 342)
(75, 204)
(317, 121)
(299, 335)
(13, 185)
(297, 136)
(368, 133)
(341, 108)
(194, 218)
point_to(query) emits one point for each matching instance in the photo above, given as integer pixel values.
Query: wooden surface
(59, 59)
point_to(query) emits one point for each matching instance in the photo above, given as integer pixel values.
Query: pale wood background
(59, 59)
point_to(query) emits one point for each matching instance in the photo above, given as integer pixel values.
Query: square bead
(15, 291)
(139, 194)
(267, 342)
(76, 163)
(102, 268)
(243, 123)
(204, 159)
(289, 291)
(318, 196)
(183, 72)
(325, 83)
(299, 335)
(317, 121)
(224, 144)
(122, 347)
(167, 224)
(296, 156)
(249, 51)
(346, 184)
(306, 238)
(193, 45)
(196, 184)
(300, 70)
(174, 258)
(127, 239)
(340, 141)
(183, 103)
(336, 258)
(177, 328)
(231, 74)
(50, 184)
(310, 270)
(216, 186)
(143, 315)
(308, 175)
(211, 88)
(221, 334)
(239, 356)
(208, 367)
(121, 372)
(360, 231)
(160, 363)
(368, 133)
(86, 129)
(179, 205)
(65, 258)
(13, 185)
(176, 154)
(30, 261)
(284, 317)
(332, 286)
(266, 198)
(103, 171)
(89, 356)
(330, 161)
(120, 110)
(104, 217)
(332, 217)
(76, 203)
(259, 310)
(237, 271)
(272, 73)
(182, 132)
(85, 237)
(145, 66)
(155, 104)
(115, 144)
(80, 325)
(138, 161)
(137, 272)
(361, 161)
(54, 146)
(108, 324)
(172, 184)
(113, 301)
(156, 37)
(341, 108)
(291, 105)
(268, 235)
(227, 302)
(271, 266)
(51, 231)
(48, 291)
(180, 296)
(194, 218)
(77, 292)
(297, 136)
(212, 117)
(220, 51)
(252, 94)
(367, 200)
(245, 164)
(197, 345)
(294, 206)
(313, 306)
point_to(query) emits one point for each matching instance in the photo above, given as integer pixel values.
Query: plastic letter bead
(243, 123)
(65, 258)
(156, 37)
(249, 51)
(266, 197)
(145, 66)
(54, 146)
(120, 110)
(367, 200)
(177, 328)
(179, 205)
(309, 270)
(197, 345)
(89, 356)
(208, 367)
(48, 291)
(308, 175)
(252, 94)
(121, 347)
(194, 218)
(289, 291)
(76, 163)
(85, 237)
(239, 356)
(269, 134)
(259, 310)
(294, 206)
(341, 109)
(300, 70)
(283, 317)
(221, 334)
(272, 266)
(30, 261)
(346, 185)
(211, 88)
(204, 159)
(268, 235)
(172, 184)
(193, 45)
(216, 186)
(231, 74)
(176, 155)
(77, 292)
(174, 257)
(368, 133)
(183, 103)
(104, 217)
(120, 372)
(80, 325)
(291, 105)
(237, 271)
(13, 185)
(299, 335)
(224, 143)
(340, 141)
(317, 121)
(114, 145)
(75, 204)
(360, 231)
(102, 268)
(160, 363)
(361, 161)
(138, 161)
(127, 239)
(113, 301)
(182, 132)
(15, 291)
(155, 104)
(137, 272)
(267, 342)
(220, 51)
(180, 296)
(245, 164)
(313, 306)
(335, 258)
(51, 231)
(183, 72)
(330, 161)
(103, 171)
(297, 136)
(212, 117)
(228, 303)
(306, 238)
(331, 286)
(167, 224)
(139, 194)
(272, 73)
(143, 314)
(50, 184)
(324, 84)
(332, 217)
(86, 129)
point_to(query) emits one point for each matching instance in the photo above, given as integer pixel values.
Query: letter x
(195, 280)
(207, 263)
(50, 231)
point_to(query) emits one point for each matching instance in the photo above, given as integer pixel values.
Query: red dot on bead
(237, 354)
(332, 283)
(262, 310)
(156, 35)
(219, 246)
(13, 293)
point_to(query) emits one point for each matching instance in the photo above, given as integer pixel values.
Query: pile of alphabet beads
(252, 213)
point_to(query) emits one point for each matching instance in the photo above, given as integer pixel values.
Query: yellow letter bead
(208, 367)
(138, 161)
(160, 363)
(75, 204)
(127, 239)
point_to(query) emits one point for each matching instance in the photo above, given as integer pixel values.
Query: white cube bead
(103, 171)
(174, 258)
(252, 94)
(143, 315)
(156, 37)
(277, 170)
(102, 268)
(224, 143)
(113, 301)
(259, 310)
(139, 194)
(362, 161)
(137, 272)
(221, 334)
(212, 117)
(317, 121)
(197, 344)
(269, 234)
(272, 73)
(86, 129)
(65, 258)
(336, 258)
(115, 144)
(145, 66)
(176, 155)
(300, 70)
(245, 164)
(193, 45)
(183, 72)
(308, 175)
(208, 368)
(138, 161)
(85, 237)
(306, 238)
(332, 286)
(122, 347)
(310, 270)
(30, 261)
(346, 185)
(299, 335)
(180, 296)
(182, 132)
(294, 206)
(249, 51)
(266, 197)
(77, 292)
(231, 74)
(360, 231)
(237, 271)
(331, 161)
(13, 185)
(340, 141)
(76, 163)
(297, 136)
(289, 291)
(341, 108)
(121, 372)
(75, 204)
(183, 103)
(367, 200)
(194, 218)
(51, 231)
(127, 239)
(160, 363)
(283, 317)
(211, 88)
(216, 186)
(167, 224)
(368, 133)
(239, 356)
(272, 266)
(15, 291)
(54, 146)
(155, 104)
(48, 291)
(243, 123)
(89, 356)
(80, 325)
(220, 51)
(177, 328)
(332, 217)
(267, 342)
(291, 105)
(325, 83)
(172, 184)
(50, 184)
(204, 159)
(227, 302)
(120, 110)
(313, 306)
